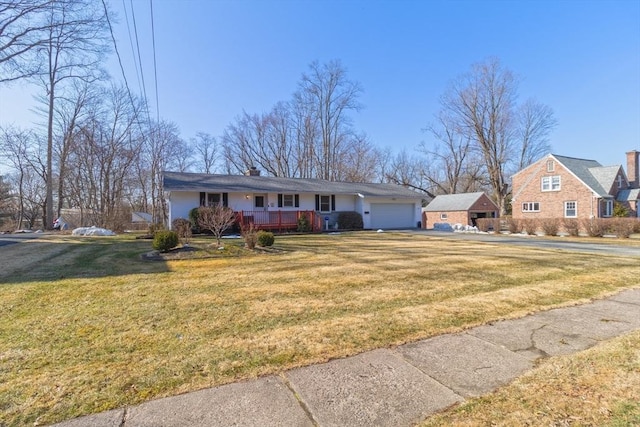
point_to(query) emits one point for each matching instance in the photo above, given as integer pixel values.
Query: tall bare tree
(535, 123)
(482, 106)
(23, 30)
(327, 92)
(73, 49)
(206, 149)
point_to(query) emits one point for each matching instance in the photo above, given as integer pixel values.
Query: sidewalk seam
(303, 405)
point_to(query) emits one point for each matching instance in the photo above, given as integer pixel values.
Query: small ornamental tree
(182, 226)
(217, 219)
(265, 238)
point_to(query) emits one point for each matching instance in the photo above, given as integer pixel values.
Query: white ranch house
(276, 203)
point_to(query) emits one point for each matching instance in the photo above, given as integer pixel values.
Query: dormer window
(550, 165)
(619, 181)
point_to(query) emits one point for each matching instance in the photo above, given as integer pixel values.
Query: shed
(463, 208)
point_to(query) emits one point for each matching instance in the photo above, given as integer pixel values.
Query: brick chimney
(633, 168)
(253, 171)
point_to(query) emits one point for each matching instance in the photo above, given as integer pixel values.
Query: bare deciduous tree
(206, 148)
(481, 105)
(329, 95)
(72, 50)
(535, 123)
(217, 219)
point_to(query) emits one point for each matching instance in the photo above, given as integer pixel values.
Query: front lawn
(87, 325)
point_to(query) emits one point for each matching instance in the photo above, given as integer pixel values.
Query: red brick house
(566, 187)
(463, 208)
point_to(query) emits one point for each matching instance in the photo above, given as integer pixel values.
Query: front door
(260, 202)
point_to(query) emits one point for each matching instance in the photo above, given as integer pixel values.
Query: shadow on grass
(56, 258)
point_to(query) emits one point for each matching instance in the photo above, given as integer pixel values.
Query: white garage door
(388, 215)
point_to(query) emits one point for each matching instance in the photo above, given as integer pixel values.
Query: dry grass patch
(597, 387)
(95, 327)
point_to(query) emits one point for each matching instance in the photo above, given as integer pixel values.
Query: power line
(155, 67)
(133, 50)
(144, 85)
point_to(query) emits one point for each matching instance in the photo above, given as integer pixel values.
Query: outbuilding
(463, 208)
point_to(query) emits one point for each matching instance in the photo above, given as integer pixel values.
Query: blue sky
(218, 58)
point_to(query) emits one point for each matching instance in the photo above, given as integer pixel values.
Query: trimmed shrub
(265, 238)
(623, 227)
(183, 228)
(595, 227)
(193, 219)
(513, 225)
(304, 225)
(164, 240)
(529, 226)
(484, 224)
(350, 221)
(550, 226)
(250, 236)
(571, 226)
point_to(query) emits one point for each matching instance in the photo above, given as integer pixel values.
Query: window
(570, 209)
(607, 208)
(550, 165)
(288, 200)
(213, 199)
(550, 183)
(443, 215)
(325, 203)
(531, 207)
(619, 181)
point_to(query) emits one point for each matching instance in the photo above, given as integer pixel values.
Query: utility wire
(133, 50)
(144, 86)
(155, 67)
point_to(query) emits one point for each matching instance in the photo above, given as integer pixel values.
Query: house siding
(527, 188)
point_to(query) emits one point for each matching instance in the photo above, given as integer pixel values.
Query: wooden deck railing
(277, 220)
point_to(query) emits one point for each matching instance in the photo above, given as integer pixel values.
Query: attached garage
(388, 215)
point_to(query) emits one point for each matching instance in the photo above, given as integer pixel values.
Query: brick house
(463, 208)
(566, 187)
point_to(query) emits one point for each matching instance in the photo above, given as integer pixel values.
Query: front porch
(277, 220)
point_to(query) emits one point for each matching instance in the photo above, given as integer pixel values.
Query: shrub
(550, 226)
(571, 226)
(183, 228)
(636, 225)
(265, 238)
(620, 210)
(193, 219)
(154, 228)
(513, 225)
(530, 226)
(164, 240)
(484, 224)
(304, 225)
(250, 236)
(623, 227)
(350, 221)
(595, 227)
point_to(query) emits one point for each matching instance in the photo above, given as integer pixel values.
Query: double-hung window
(550, 183)
(607, 208)
(571, 209)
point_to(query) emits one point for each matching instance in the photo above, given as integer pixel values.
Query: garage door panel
(390, 215)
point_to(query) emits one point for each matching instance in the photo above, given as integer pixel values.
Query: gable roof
(184, 181)
(454, 202)
(628, 195)
(595, 176)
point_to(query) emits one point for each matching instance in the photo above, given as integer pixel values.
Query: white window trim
(575, 203)
(549, 181)
(530, 207)
(328, 203)
(608, 208)
(550, 166)
(443, 215)
(284, 202)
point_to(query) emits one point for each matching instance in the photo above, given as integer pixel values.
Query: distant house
(566, 187)
(462, 208)
(277, 203)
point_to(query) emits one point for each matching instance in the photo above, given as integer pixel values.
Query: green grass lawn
(87, 325)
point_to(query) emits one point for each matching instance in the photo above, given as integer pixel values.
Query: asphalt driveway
(560, 243)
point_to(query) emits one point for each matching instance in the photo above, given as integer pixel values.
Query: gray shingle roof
(453, 202)
(597, 177)
(183, 181)
(628, 195)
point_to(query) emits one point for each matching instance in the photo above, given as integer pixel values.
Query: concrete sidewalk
(390, 387)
